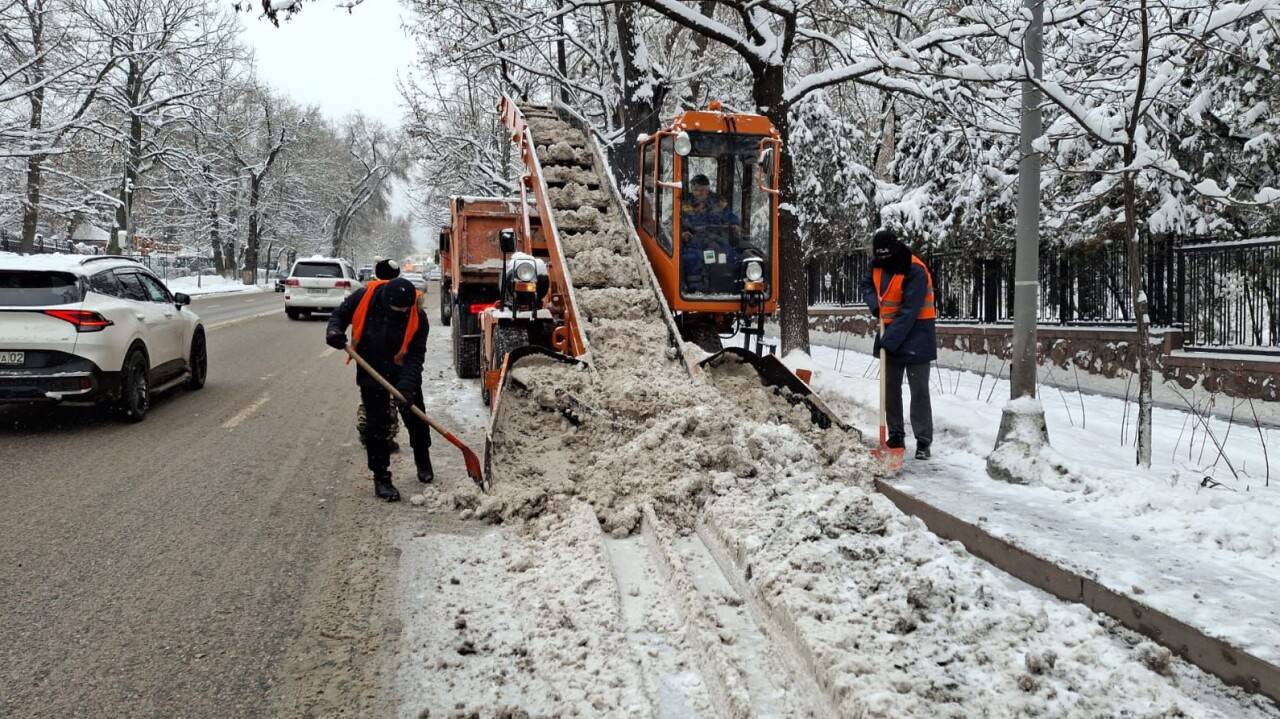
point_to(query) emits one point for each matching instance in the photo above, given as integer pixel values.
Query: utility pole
(1022, 426)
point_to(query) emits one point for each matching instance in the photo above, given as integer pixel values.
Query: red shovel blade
(890, 458)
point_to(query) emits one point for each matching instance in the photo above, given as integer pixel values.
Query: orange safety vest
(362, 310)
(891, 297)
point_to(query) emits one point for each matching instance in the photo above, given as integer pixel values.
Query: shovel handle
(391, 388)
(471, 460)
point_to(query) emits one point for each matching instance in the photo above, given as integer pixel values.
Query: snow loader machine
(704, 244)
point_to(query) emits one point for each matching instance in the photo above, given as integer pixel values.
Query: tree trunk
(233, 221)
(642, 99)
(251, 246)
(128, 189)
(708, 9)
(31, 207)
(561, 62)
(35, 167)
(793, 297)
(1140, 314)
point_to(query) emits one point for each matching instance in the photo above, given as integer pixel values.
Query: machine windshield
(724, 216)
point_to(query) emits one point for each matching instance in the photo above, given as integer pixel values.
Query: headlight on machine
(526, 272)
(753, 271)
(683, 144)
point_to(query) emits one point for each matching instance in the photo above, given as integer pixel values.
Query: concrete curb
(1229, 663)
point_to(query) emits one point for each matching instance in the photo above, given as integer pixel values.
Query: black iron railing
(1231, 291)
(1224, 294)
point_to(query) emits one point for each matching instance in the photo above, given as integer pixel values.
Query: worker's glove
(336, 340)
(399, 401)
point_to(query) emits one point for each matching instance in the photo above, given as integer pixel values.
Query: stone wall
(1108, 353)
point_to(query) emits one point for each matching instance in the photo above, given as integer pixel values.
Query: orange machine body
(739, 154)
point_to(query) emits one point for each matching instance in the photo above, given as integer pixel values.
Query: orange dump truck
(471, 271)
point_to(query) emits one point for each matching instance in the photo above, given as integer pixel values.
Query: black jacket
(383, 334)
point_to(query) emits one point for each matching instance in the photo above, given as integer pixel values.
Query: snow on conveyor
(671, 546)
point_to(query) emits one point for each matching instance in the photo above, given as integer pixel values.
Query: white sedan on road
(82, 329)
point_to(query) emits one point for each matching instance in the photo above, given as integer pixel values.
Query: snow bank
(210, 284)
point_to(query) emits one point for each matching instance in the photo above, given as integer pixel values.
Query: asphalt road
(215, 309)
(204, 561)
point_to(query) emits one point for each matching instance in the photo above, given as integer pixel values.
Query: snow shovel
(472, 461)
(889, 457)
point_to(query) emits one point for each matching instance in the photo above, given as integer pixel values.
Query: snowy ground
(211, 284)
(1209, 556)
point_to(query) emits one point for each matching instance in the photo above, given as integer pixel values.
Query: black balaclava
(889, 254)
(399, 293)
(386, 270)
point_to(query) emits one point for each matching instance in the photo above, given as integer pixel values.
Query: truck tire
(446, 304)
(505, 339)
(466, 350)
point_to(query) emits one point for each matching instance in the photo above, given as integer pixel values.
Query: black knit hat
(386, 269)
(400, 293)
(888, 252)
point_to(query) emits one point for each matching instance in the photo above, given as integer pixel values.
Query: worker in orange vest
(389, 330)
(382, 270)
(899, 291)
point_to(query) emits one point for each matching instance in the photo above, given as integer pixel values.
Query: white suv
(318, 284)
(99, 329)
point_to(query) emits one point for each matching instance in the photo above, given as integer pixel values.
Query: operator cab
(708, 220)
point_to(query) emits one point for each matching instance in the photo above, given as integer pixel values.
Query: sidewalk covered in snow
(1194, 536)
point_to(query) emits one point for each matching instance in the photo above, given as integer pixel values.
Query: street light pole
(1022, 425)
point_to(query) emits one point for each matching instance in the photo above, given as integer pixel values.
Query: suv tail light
(342, 284)
(291, 282)
(478, 309)
(84, 320)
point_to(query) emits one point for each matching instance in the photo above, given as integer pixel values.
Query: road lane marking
(328, 351)
(243, 414)
(226, 323)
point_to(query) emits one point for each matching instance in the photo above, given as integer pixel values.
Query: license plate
(317, 291)
(12, 357)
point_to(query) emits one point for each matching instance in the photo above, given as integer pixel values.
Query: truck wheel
(505, 339)
(466, 350)
(446, 305)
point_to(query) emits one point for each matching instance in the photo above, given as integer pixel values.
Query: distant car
(433, 274)
(94, 330)
(280, 278)
(419, 282)
(318, 284)
(365, 273)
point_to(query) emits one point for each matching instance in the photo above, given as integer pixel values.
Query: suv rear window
(37, 288)
(317, 269)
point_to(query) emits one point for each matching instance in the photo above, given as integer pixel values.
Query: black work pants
(378, 417)
(921, 410)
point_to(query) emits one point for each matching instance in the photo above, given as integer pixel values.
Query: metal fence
(1223, 294)
(1231, 294)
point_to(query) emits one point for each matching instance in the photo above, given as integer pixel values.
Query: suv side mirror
(181, 299)
(507, 241)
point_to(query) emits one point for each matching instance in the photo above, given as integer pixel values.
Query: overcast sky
(341, 61)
